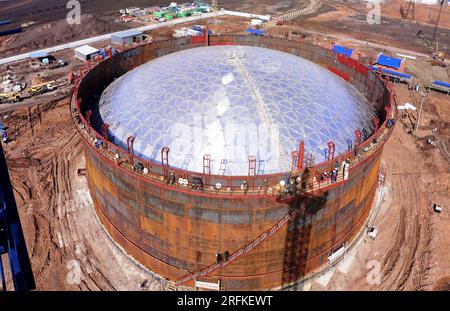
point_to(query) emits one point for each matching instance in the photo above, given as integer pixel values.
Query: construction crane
(11, 97)
(404, 13)
(428, 42)
(42, 88)
(438, 19)
(437, 55)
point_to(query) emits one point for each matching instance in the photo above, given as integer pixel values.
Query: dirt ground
(412, 244)
(55, 33)
(68, 248)
(70, 251)
(350, 19)
(423, 14)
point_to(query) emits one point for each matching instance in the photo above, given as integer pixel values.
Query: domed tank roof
(233, 102)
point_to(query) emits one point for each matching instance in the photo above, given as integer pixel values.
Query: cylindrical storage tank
(174, 229)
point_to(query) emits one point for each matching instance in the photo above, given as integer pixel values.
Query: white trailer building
(86, 52)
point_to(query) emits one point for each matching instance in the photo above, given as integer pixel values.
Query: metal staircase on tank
(245, 249)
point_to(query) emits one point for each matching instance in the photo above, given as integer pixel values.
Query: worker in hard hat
(244, 186)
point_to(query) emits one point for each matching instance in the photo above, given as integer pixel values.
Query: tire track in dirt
(44, 176)
(406, 264)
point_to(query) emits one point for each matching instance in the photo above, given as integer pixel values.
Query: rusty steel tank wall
(173, 231)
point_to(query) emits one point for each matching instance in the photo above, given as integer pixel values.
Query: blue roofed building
(440, 86)
(339, 49)
(256, 32)
(390, 63)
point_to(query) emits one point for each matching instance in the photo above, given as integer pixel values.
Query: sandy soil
(68, 248)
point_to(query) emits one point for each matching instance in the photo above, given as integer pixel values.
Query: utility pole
(420, 110)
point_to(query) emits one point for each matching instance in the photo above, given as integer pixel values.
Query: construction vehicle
(429, 42)
(60, 63)
(11, 97)
(438, 57)
(42, 88)
(9, 77)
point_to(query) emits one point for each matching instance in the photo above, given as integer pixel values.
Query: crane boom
(438, 20)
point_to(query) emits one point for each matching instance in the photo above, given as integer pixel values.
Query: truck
(60, 63)
(10, 97)
(42, 88)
